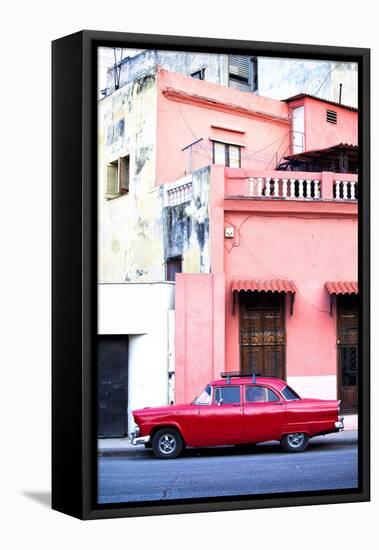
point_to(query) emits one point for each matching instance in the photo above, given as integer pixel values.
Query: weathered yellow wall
(130, 226)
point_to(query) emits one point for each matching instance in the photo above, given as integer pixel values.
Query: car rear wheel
(295, 443)
(167, 443)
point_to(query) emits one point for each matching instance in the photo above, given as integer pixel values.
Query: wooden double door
(262, 333)
(347, 349)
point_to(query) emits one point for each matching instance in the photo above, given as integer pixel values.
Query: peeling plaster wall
(186, 227)
(278, 78)
(216, 66)
(130, 243)
(282, 78)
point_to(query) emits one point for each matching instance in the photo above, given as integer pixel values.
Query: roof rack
(238, 374)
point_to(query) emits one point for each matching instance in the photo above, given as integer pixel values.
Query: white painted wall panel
(319, 387)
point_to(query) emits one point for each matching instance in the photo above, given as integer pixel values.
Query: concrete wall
(278, 78)
(144, 311)
(215, 65)
(281, 78)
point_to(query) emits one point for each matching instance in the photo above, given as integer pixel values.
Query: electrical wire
(327, 76)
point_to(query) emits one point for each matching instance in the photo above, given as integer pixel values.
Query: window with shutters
(124, 163)
(240, 68)
(227, 154)
(112, 180)
(118, 175)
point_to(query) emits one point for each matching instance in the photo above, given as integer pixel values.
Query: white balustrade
(292, 188)
(316, 189)
(180, 194)
(309, 189)
(338, 184)
(301, 189)
(268, 187)
(284, 187)
(276, 187)
(251, 187)
(342, 188)
(260, 187)
(296, 189)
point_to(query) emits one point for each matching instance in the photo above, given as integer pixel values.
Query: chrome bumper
(339, 424)
(139, 439)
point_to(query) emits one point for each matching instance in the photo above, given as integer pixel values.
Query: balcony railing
(304, 186)
(178, 192)
(345, 190)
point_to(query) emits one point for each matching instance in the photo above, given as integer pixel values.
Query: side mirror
(220, 402)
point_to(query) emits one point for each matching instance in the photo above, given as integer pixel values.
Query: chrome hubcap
(295, 440)
(167, 444)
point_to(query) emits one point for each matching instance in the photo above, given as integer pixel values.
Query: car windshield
(204, 398)
(289, 394)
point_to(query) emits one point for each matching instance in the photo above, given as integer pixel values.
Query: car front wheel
(295, 443)
(167, 443)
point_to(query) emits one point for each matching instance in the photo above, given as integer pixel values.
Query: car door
(264, 413)
(221, 422)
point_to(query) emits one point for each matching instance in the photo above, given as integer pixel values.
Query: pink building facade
(279, 295)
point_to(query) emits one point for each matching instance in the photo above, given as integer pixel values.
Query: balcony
(178, 192)
(293, 186)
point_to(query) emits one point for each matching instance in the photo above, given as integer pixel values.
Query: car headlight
(136, 431)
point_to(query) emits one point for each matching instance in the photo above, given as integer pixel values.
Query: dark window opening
(124, 168)
(173, 266)
(254, 74)
(199, 75)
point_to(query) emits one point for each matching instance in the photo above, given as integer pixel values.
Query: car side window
(259, 394)
(228, 394)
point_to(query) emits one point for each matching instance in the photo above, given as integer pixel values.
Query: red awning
(342, 287)
(275, 285)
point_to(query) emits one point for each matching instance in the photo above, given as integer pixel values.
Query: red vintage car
(237, 410)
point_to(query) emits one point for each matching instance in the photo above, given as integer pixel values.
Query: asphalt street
(330, 462)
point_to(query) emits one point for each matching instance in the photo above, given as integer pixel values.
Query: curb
(127, 449)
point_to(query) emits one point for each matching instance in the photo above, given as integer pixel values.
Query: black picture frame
(74, 269)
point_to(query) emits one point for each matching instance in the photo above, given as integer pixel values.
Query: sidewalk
(118, 445)
(350, 421)
(115, 445)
